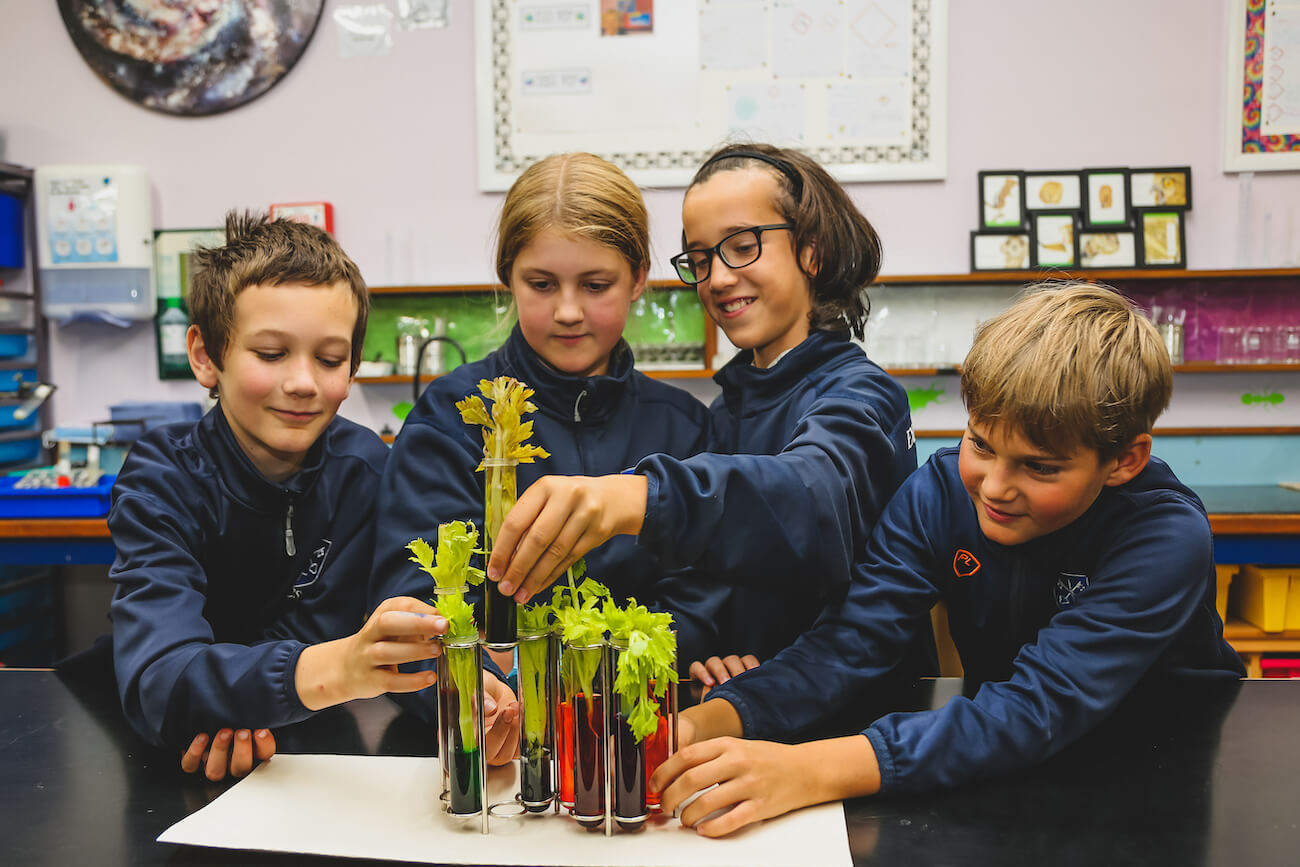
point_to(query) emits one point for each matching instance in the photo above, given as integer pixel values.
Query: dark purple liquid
(499, 616)
(588, 761)
(629, 777)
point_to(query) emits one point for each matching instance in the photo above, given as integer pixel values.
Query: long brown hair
(845, 248)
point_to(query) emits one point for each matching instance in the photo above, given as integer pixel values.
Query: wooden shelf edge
(1246, 524)
(482, 288)
(1185, 367)
(1282, 430)
(12, 529)
(1035, 276)
(1025, 276)
(693, 373)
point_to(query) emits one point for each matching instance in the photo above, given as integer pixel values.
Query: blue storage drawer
(11, 231)
(55, 502)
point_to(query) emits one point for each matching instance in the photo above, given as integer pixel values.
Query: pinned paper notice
(387, 807)
(364, 31)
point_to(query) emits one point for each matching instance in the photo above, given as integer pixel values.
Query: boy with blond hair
(244, 541)
(1074, 565)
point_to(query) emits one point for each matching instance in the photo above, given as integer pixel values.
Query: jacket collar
(740, 377)
(243, 479)
(575, 399)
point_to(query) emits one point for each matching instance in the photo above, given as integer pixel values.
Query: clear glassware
(460, 693)
(1230, 344)
(582, 691)
(537, 691)
(500, 616)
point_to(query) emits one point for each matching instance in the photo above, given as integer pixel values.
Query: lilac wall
(390, 141)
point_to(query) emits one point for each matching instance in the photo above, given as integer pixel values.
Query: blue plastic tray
(55, 502)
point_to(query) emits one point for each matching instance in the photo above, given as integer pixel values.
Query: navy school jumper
(223, 578)
(804, 455)
(590, 426)
(1054, 632)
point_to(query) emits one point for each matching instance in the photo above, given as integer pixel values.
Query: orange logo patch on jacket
(964, 563)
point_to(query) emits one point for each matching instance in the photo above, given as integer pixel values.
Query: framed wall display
(1106, 197)
(1161, 188)
(1056, 191)
(1261, 115)
(655, 87)
(171, 254)
(1108, 249)
(1053, 236)
(1163, 244)
(999, 251)
(1002, 200)
(191, 58)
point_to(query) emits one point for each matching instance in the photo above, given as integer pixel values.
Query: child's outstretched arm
(364, 664)
(756, 780)
(556, 521)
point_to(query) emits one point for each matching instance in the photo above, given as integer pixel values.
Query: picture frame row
(1104, 198)
(1059, 239)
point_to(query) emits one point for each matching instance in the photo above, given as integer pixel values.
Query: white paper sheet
(387, 807)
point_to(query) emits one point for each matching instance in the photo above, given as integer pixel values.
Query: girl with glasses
(810, 438)
(573, 248)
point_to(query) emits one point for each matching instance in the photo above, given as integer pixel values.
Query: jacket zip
(577, 412)
(289, 547)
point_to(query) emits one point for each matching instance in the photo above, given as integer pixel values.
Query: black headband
(775, 162)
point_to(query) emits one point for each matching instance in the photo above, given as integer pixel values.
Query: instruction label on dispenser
(82, 220)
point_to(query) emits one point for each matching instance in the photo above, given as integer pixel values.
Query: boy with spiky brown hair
(1074, 565)
(244, 541)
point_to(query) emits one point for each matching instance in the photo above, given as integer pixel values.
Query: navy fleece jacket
(1057, 630)
(223, 578)
(804, 455)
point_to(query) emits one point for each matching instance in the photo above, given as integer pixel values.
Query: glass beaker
(1230, 344)
(460, 693)
(411, 332)
(537, 690)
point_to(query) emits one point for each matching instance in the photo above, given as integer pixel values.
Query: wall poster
(654, 87)
(1262, 103)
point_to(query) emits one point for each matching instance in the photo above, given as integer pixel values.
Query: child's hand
(556, 521)
(714, 671)
(364, 665)
(501, 720)
(757, 780)
(238, 750)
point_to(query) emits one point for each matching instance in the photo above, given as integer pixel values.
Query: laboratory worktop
(1180, 774)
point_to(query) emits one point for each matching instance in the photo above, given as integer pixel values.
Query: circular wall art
(191, 57)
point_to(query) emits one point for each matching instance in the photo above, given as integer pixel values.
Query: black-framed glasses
(736, 251)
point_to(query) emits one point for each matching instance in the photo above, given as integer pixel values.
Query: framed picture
(1261, 124)
(1108, 249)
(999, 251)
(1163, 244)
(171, 254)
(1053, 235)
(1106, 197)
(1002, 200)
(1161, 188)
(1054, 191)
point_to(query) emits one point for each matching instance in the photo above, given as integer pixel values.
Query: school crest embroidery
(964, 563)
(310, 572)
(1068, 588)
